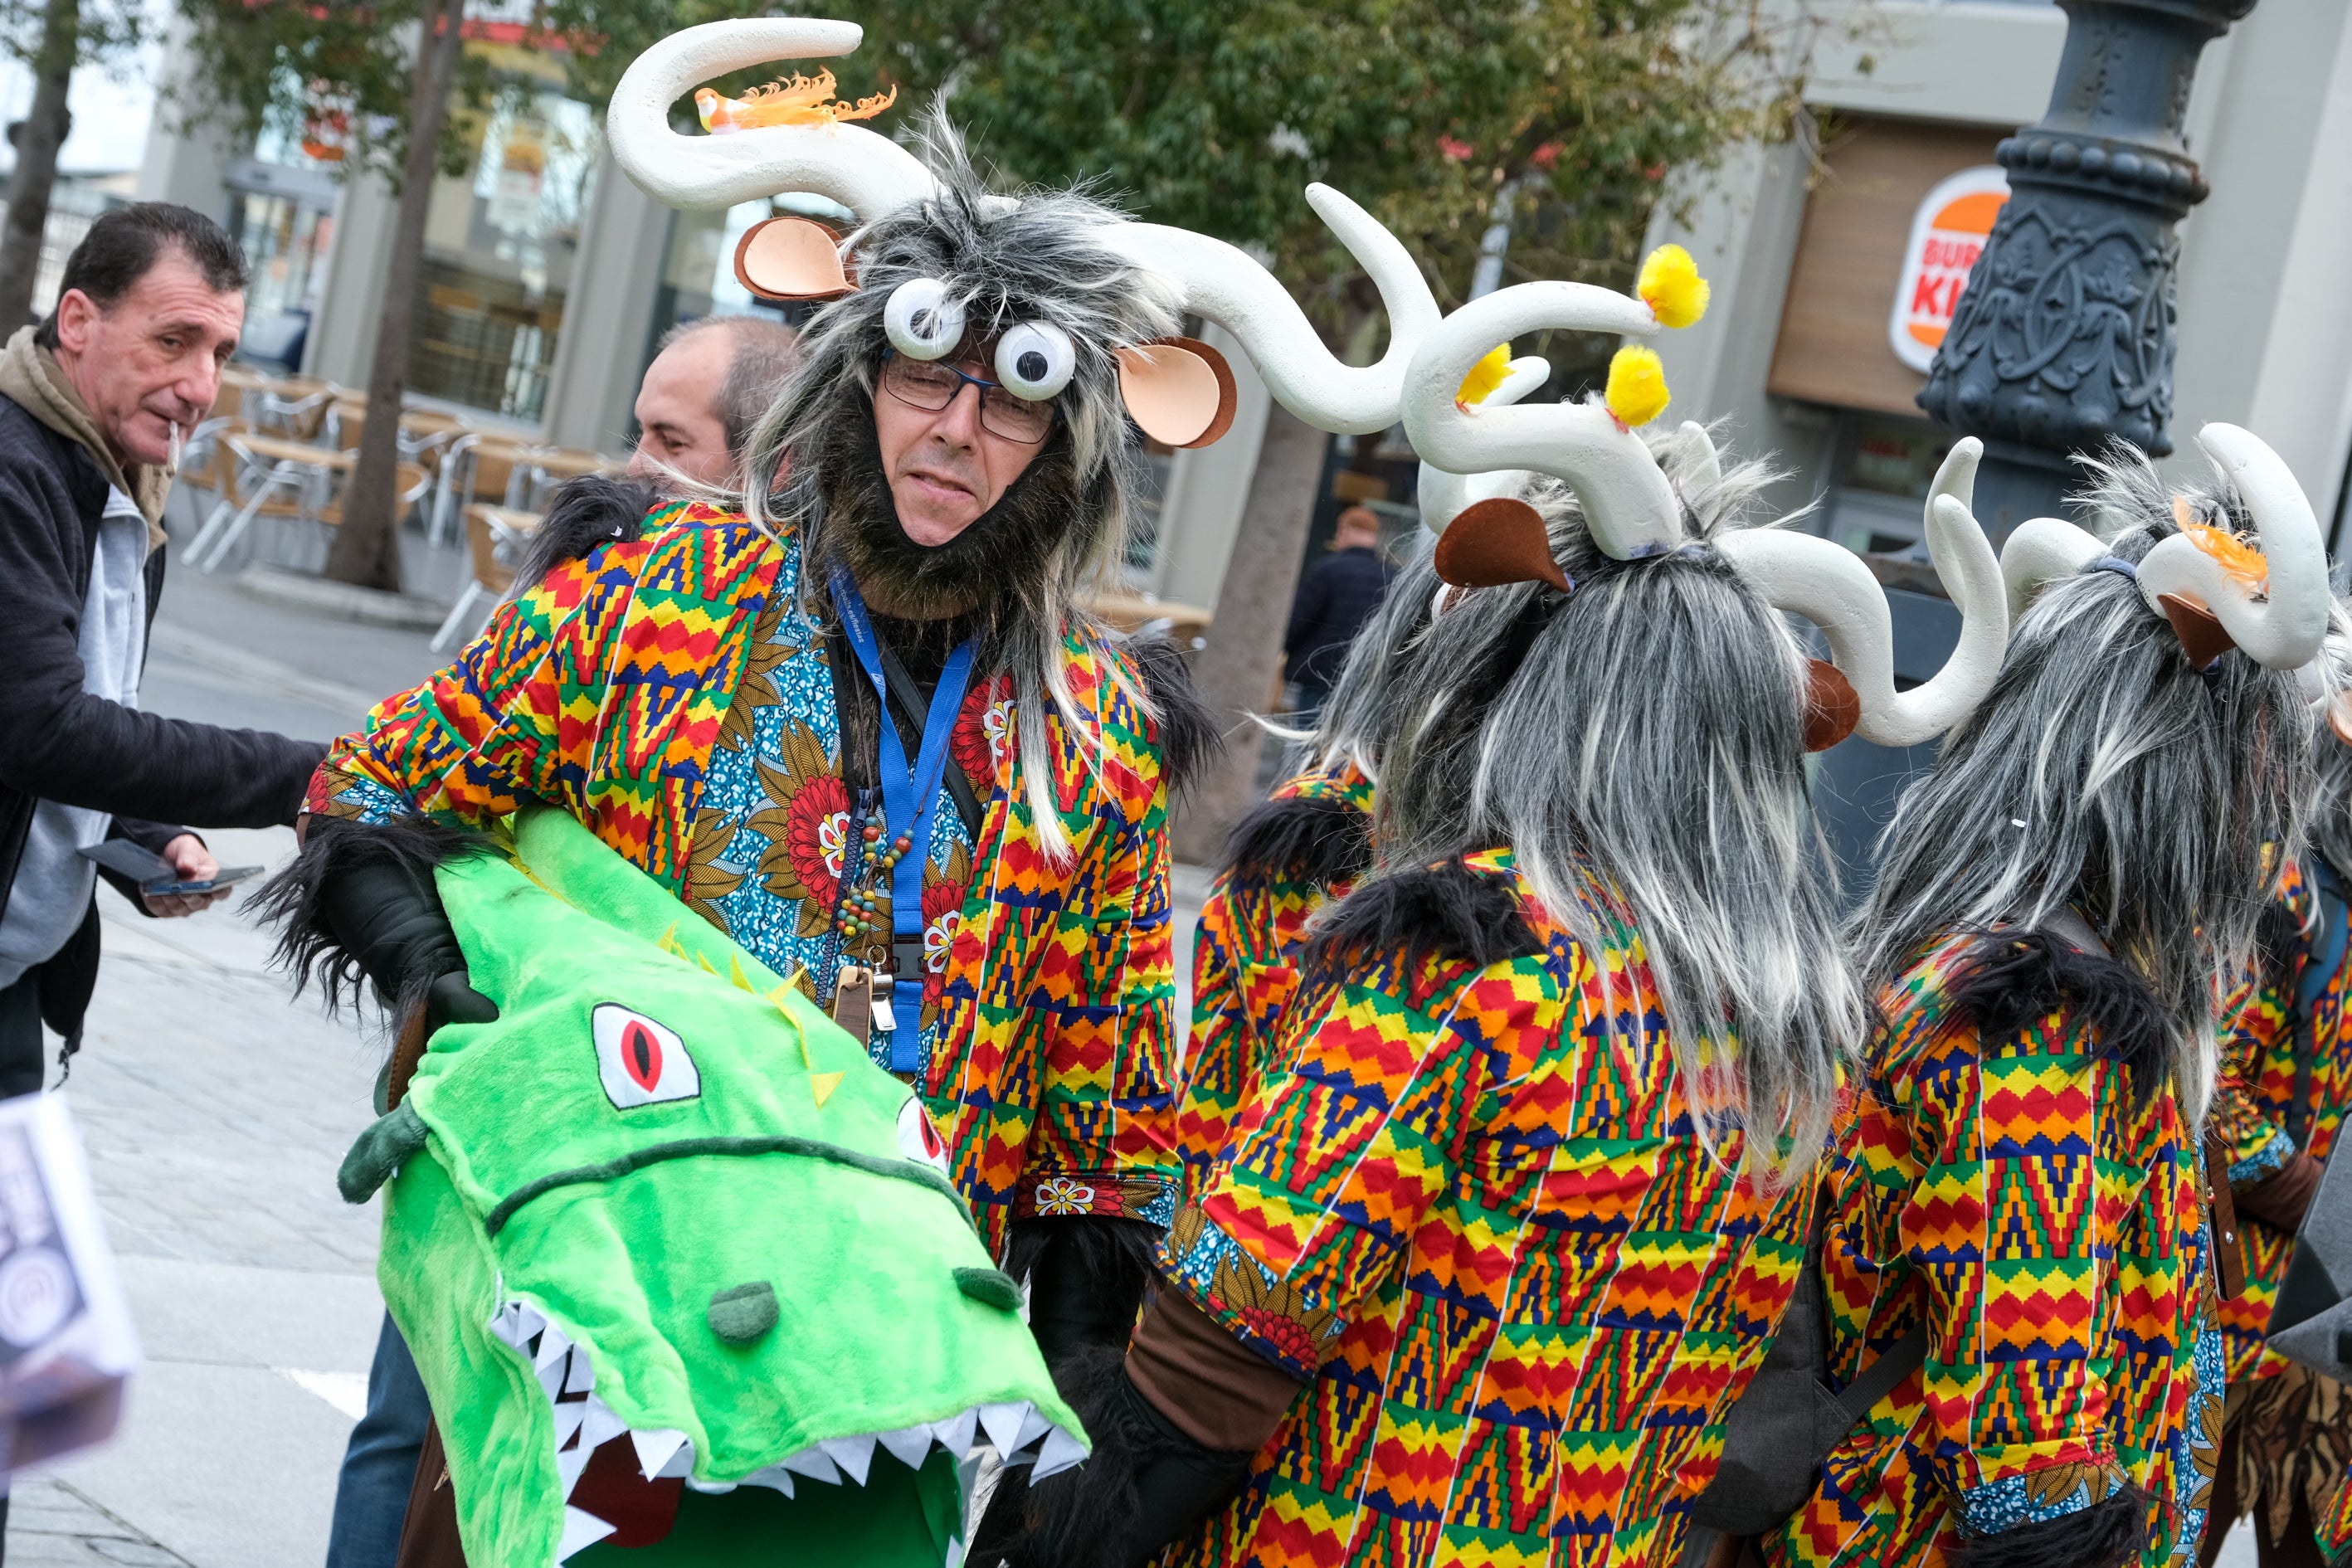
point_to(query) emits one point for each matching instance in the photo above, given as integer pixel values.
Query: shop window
(1880, 475)
(501, 243)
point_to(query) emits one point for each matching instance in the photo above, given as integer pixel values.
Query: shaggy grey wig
(1647, 749)
(2106, 772)
(1016, 572)
(2331, 798)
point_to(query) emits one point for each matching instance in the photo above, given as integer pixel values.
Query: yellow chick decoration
(1637, 385)
(1485, 378)
(1670, 285)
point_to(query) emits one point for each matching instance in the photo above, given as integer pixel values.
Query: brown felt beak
(2202, 636)
(787, 258)
(1831, 708)
(1178, 390)
(1495, 541)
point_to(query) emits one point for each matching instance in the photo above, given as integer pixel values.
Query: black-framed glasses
(932, 384)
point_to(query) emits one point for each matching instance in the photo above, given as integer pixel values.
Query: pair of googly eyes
(1033, 361)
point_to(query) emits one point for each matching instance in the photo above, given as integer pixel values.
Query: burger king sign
(1947, 234)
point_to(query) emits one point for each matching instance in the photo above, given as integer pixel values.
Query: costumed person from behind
(1337, 596)
(1529, 1174)
(863, 726)
(2286, 1082)
(2021, 1188)
(1311, 839)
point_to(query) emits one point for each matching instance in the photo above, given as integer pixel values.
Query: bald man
(708, 384)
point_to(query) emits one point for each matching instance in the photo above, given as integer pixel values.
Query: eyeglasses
(933, 384)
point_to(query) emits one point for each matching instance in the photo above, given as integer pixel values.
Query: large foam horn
(2041, 550)
(1443, 495)
(1829, 585)
(1231, 288)
(1629, 508)
(869, 175)
(2284, 628)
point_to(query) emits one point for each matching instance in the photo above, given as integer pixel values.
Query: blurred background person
(1335, 597)
(708, 384)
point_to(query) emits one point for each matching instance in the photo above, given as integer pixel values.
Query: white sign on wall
(1947, 234)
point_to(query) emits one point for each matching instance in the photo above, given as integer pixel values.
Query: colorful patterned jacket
(1468, 1208)
(2286, 1062)
(1998, 1184)
(625, 685)
(1302, 848)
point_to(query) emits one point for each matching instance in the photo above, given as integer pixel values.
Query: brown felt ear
(2203, 637)
(1831, 708)
(791, 259)
(2339, 716)
(1179, 390)
(1497, 541)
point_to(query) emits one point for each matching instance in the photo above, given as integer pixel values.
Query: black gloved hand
(386, 914)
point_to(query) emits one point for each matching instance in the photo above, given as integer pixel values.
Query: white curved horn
(1629, 508)
(1442, 495)
(1227, 286)
(1829, 585)
(2041, 550)
(2283, 632)
(869, 175)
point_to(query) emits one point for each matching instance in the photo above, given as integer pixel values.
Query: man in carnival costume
(862, 726)
(2022, 1190)
(1511, 1221)
(2286, 1082)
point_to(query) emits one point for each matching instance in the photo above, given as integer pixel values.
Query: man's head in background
(148, 310)
(708, 384)
(1358, 528)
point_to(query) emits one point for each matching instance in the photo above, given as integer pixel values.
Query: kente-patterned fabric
(1469, 1207)
(2261, 1054)
(2006, 1192)
(1244, 972)
(637, 686)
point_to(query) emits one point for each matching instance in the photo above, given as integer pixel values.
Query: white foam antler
(2284, 628)
(1443, 495)
(869, 175)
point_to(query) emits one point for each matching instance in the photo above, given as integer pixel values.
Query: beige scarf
(31, 377)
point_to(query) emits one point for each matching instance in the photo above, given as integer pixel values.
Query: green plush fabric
(644, 1170)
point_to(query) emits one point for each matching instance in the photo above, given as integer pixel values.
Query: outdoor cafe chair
(494, 536)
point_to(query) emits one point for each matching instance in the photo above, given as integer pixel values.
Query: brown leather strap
(852, 1003)
(1211, 1386)
(428, 1536)
(407, 1050)
(2222, 1217)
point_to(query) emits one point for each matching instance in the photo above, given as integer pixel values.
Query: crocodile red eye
(918, 1138)
(1036, 360)
(639, 1060)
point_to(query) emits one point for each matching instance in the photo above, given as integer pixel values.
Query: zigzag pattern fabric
(1245, 973)
(2261, 1062)
(2007, 1194)
(604, 690)
(1469, 1207)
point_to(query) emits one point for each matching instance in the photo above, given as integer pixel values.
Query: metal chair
(493, 536)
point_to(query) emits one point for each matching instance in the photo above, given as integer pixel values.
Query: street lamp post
(2064, 338)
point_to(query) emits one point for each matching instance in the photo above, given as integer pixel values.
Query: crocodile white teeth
(907, 1445)
(1002, 1424)
(813, 1463)
(1061, 1451)
(582, 1529)
(852, 1454)
(656, 1449)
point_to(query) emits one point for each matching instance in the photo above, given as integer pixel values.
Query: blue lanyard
(909, 794)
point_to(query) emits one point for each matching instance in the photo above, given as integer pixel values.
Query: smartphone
(153, 873)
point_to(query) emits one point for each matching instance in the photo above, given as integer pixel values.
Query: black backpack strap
(903, 697)
(1876, 1381)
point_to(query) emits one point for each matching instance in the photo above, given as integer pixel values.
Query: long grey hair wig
(1648, 751)
(2107, 772)
(2331, 797)
(1033, 257)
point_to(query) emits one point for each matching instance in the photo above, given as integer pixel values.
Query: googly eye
(1036, 360)
(921, 320)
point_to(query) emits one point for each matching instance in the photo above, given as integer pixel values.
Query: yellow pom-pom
(1637, 385)
(1670, 285)
(1485, 376)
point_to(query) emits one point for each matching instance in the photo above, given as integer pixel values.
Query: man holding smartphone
(94, 403)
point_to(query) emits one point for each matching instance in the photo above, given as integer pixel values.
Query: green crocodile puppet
(682, 1268)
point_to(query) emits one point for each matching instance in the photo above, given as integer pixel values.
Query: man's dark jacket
(1339, 593)
(59, 742)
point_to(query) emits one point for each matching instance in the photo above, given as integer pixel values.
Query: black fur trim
(2012, 979)
(1145, 1484)
(1446, 911)
(2277, 936)
(1085, 1270)
(1319, 839)
(585, 515)
(293, 900)
(2107, 1534)
(1189, 737)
